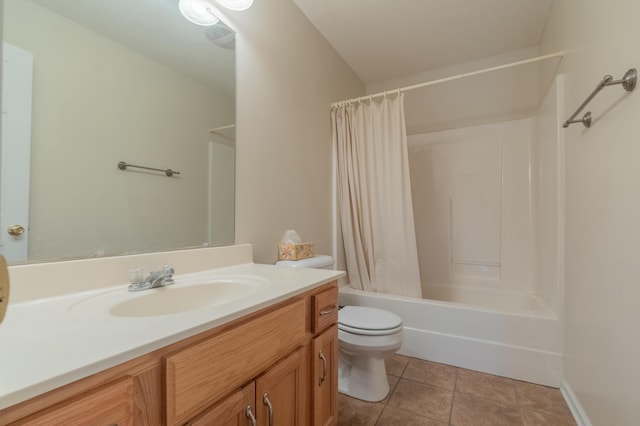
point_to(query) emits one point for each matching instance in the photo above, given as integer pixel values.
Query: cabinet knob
(324, 368)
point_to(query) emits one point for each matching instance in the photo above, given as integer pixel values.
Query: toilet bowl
(366, 336)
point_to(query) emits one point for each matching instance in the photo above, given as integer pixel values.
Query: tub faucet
(160, 278)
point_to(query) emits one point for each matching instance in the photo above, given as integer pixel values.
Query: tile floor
(431, 394)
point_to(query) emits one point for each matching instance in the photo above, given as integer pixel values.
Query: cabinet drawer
(198, 376)
(325, 309)
(111, 404)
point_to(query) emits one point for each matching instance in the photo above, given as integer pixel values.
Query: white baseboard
(516, 362)
(578, 412)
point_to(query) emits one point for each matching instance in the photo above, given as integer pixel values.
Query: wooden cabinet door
(235, 410)
(324, 378)
(281, 393)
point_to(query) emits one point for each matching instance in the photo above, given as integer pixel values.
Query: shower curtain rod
(452, 78)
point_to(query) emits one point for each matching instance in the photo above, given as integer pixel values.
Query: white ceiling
(386, 39)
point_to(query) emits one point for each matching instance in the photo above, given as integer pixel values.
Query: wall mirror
(114, 81)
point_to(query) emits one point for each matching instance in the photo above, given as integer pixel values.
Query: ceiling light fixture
(236, 4)
(198, 11)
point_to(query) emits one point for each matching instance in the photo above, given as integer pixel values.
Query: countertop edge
(20, 395)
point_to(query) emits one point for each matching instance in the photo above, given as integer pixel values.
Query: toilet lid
(361, 320)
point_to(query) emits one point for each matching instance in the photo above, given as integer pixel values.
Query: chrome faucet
(160, 278)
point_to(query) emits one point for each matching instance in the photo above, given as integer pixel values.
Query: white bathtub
(490, 298)
(524, 344)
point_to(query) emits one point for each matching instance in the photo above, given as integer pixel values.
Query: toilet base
(363, 377)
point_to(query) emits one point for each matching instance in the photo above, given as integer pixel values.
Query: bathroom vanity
(267, 358)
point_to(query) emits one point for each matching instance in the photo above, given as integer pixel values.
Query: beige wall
(487, 98)
(95, 103)
(602, 343)
(288, 75)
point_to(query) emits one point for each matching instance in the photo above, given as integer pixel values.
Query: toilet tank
(315, 262)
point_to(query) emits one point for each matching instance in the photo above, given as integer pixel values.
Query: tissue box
(288, 251)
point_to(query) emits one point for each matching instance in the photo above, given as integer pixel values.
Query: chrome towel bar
(628, 82)
(123, 166)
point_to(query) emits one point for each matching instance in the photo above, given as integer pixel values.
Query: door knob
(15, 230)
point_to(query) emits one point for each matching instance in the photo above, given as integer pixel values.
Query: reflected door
(222, 173)
(17, 76)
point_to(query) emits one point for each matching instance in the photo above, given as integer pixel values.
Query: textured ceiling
(385, 39)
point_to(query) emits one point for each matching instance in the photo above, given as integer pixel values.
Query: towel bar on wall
(123, 166)
(628, 82)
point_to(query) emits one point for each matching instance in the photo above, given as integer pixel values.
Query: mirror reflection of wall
(98, 101)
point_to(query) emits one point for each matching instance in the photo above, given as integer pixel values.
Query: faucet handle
(168, 270)
(136, 279)
(136, 275)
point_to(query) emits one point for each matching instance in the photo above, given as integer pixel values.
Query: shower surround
(488, 208)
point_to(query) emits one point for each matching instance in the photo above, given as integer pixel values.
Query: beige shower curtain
(374, 196)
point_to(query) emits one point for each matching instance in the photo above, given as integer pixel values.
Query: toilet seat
(366, 332)
(368, 321)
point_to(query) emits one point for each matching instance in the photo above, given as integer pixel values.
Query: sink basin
(172, 300)
(183, 296)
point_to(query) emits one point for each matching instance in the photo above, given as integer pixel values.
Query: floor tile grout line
(406, 364)
(517, 395)
(453, 396)
(408, 412)
(402, 376)
(424, 383)
(380, 415)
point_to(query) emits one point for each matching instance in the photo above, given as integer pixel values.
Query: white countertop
(45, 344)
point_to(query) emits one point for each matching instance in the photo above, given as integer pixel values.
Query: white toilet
(366, 337)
